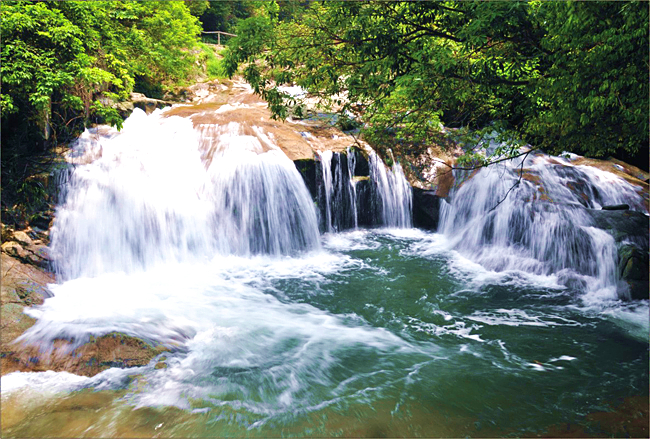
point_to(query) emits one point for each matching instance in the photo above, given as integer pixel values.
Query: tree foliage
(64, 63)
(563, 76)
(60, 60)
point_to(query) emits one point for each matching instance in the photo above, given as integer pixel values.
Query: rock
(630, 230)
(14, 249)
(124, 107)
(633, 271)
(617, 207)
(426, 209)
(98, 354)
(624, 225)
(365, 211)
(22, 238)
(7, 232)
(148, 104)
(307, 169)
(33, 254)
(361, 165)
(42, 221)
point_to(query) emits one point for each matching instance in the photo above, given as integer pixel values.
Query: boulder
(630, 230)
(148, 104)
(7, 232)
(426, 209)
(633, 270)
(623, 225)
(14, 249)
(34, 253)
(22, 238)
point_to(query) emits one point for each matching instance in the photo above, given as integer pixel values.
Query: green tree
(63, 63)
(560, 75)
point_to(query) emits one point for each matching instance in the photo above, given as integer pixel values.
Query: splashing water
(205, 240)
(163, 191)
(539, 224)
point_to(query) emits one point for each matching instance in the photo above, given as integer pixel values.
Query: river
(278, 329)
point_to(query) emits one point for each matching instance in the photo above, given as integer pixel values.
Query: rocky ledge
(25, 279)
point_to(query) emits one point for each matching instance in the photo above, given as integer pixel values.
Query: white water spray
(541, 224)
(162, 191)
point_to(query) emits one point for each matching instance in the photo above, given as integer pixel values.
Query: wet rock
(365, 211)
(361, 165)
(22, 285)
(624, 225)
(426, 209)
(617, 207)
(630, 230)
(307, 169)
(98, 354)
(633, 270)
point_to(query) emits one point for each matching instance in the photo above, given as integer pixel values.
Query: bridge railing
(219, 33)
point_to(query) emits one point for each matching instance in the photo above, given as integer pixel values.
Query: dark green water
(382, 334)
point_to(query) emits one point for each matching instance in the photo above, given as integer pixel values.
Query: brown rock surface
(236, 102)
(24, 284)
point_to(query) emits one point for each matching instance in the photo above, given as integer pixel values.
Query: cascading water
(391, 193)
(163, 191)
(381, 198)
(204, 239)
(539, 223)
(337, 194)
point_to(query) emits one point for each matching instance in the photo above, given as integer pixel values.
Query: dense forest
(562, 76)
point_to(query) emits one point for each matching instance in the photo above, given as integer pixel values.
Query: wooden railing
(219, 33)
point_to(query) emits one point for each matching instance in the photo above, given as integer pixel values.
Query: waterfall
(539, 224)
(349, 196)
(391, 193)
(336, 193)
(163, 190)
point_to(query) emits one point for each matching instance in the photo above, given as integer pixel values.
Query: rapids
(205, 239)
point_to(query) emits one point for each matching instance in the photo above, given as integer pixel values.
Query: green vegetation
(213, 65)
(562, 76)
(64, 65)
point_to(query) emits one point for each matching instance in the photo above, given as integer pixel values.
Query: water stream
(206, 240)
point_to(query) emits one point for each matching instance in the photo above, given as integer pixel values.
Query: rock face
(343, 201)
(633, 270)
(25, 276)
(630, 231)
(426, 209)
(26, 249)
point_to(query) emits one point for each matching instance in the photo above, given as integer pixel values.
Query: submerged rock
(100, 353)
